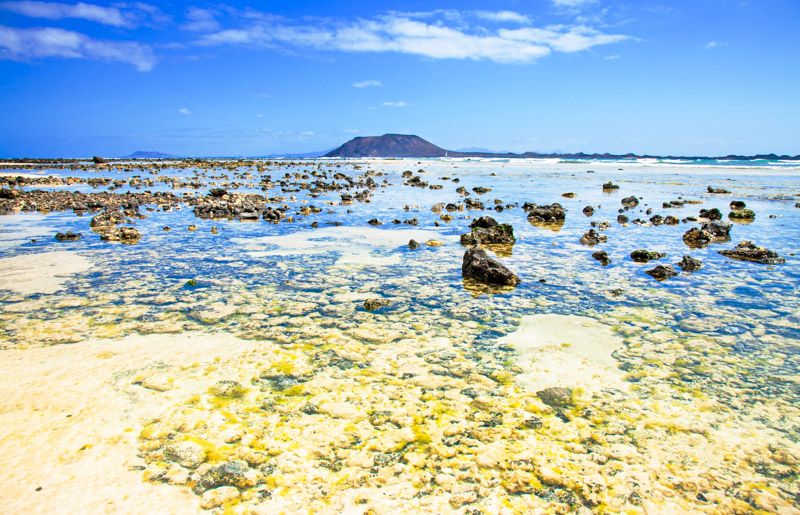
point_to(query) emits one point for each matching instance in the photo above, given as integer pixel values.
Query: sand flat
(45, 272)
(71, 416)
(566, 350)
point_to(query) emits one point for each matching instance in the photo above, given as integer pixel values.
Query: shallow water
(425, 402)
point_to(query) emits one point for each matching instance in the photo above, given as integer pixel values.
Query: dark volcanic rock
(552, 213)
(588, 210)
(737, 205)
(742, 214)
(630, 201)
(479, 266)
(127, 235)
(712, 189)
(68, 236)
(690, 264)
(748, 251)
(487, 230)
(711, 214)
(610, 186)
(661, 272)
(643, 256)
(413, 244)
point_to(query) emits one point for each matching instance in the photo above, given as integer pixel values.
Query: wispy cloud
(431, 38)
(715, 44)
(185, 111)
(201, 20)
(367, 84)
(29, 44)
(117, 15)
(612, 57)
(503, 16)
(573, 3)
(564, 38)
(396, 104)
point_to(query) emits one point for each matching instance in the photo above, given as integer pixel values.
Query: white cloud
(404, 34)
(572, 3)
(27, 44)
(201, 20)
(367, 84)
(715, 44)
(119, 15)
(184, 111)
(564, 38)
(503, 16)
(396, 104)
(613, 57)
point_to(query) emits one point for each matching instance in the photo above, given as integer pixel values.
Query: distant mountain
(148, 154)
(408, 145)
(388, 145)
(299, 155)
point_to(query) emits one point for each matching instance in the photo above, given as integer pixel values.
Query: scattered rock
(231, 473)
(742, 214)
(748, 251)
(487, 230)
(630, 201)
(643, 256)
(712, 189)
(413, 244)
(127, 235)
(373, 304)
(68, 236)
(588, 210)
(479, 266)
(602, 257)
(556, 396)
(552, 213)
(690, 264)
(610, 186)
(593, 237)
(185, 454)
(661, 272)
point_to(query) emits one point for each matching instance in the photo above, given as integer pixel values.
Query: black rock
(593, 237)
(690, 264)
(643, 256)
(68, 236)
(662, 272)
(748, 251)
(487, 230)
(479, 266)
(602, 257)
(556, 396)
(630, 201)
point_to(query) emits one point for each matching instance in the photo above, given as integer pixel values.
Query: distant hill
(388, 145)
(409, 145)
(148, 154)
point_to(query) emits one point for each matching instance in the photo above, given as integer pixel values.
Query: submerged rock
(373, 304)
(643, 256)
(232, 473)
(689, 264)
(748, 251)
(556, 396)
(127, 235)
(479, 266)
(185, 454)
(487, 230)
(661, 272)
(713, 231)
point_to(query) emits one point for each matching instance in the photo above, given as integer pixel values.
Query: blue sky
(707, 77)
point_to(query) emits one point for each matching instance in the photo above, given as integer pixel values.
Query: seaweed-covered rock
(107, 218)
(487, 230)
(661, 272)
(742, 214)
(711, 214)
(479, 266)
(748, 251)
(552, 213)
(593, 237)
(622, 219)
(227, 388)
(556, 396)
(610, 186)
(712, 189)
(643, 256)
(737, 204)
(689, 264)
